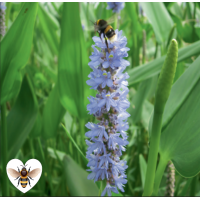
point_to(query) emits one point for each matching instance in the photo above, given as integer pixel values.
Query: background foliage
(44, 68)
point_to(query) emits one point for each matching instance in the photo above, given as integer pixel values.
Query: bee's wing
(34, 173)
(111, 19)
(13, 173)
(90, 28)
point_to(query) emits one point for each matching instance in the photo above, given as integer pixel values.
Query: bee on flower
(108, 138)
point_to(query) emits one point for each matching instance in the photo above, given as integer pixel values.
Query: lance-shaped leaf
(76, 179)
(49, 27)
(21, 118)
(73, 66)
(15, 51)
(152, 68)
(53, 113)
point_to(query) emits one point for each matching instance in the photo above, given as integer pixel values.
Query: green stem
(32, 148)
(143, 46)
(134, 52)
(46, 168)
(193, 187)
(41, 149)
(159, 174)
(155, 54)
(4, 157)
(74, 143)
(116, 21)
(82, 129)
(153, 154)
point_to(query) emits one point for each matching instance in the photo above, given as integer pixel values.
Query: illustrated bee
(24, 176)
(102, 26)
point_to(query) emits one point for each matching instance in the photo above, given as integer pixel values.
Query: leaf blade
(14, 57)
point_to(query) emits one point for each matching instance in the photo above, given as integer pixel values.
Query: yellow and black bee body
(102, 26)
(24, 176)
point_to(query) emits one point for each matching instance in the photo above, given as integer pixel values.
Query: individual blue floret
(115, 6)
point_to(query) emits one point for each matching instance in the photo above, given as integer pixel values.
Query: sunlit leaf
(143, 168)
(73, 64)
(49, 26)
(52, 114)
(15, 51)
(21, 118)
(76, 179)
(159, 18)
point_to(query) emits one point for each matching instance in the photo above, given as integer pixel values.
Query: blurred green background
(44, 68)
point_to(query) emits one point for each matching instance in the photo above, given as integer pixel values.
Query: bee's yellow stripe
(23, 181)
(107, 28)
(98, 21)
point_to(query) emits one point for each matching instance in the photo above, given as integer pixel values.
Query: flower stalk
(162, 93)
(108, 137)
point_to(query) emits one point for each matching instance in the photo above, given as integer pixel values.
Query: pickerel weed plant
(108, 137)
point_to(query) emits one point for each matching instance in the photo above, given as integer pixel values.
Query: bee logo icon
(24, 177)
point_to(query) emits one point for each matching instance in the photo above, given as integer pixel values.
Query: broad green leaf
(131, 10)
(176, 9)
(76, 179)
(73, 66)
(181, 90)
(143, 168)
(21, 118)
(15, 51)
(132, 13)
(185, 30)
(52, 114)
(37, 128)
(49, 26)
(180, 139)
(179, 70)
(181, 133)
(152, 68)
(159, 18)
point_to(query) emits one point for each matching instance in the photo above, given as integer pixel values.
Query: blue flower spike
(115, 6)
(108, 138)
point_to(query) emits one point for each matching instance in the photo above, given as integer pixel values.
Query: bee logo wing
(34, 172)
(13, 173)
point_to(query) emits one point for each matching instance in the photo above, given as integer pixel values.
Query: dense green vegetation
(44, 69)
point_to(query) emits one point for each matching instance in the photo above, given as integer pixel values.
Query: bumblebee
(102, 26)
(23, 176)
